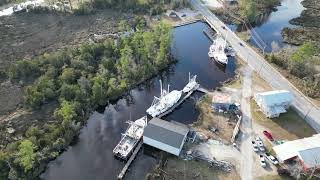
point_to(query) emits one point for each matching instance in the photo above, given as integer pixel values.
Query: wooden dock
(133, 156)
(203, 90)
(184, 23)
(209, 34)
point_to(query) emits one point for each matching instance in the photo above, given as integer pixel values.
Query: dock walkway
(126, 167)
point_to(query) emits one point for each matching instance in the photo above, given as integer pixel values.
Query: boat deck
(132, 157)
(179, 102)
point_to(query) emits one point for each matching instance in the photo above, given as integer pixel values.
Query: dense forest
(250, 9)
(77, 81)
(151, 7)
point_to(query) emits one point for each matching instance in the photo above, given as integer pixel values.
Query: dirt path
(246, 127)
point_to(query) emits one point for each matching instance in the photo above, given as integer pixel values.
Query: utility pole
(260, 68)
(308, 113)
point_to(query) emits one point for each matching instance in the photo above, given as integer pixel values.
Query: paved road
(301, 103)
(246, 127)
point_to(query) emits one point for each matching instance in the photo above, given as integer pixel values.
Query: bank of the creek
(269, 25)
(91, 157)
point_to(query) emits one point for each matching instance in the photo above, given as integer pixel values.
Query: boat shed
(306, 150)
(166, 136)
(273, 103)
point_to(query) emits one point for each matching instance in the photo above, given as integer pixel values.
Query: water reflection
(269, 25)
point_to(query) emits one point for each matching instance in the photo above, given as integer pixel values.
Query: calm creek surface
(92, 158)
(269, 26)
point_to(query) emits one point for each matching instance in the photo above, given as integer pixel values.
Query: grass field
(287, 126)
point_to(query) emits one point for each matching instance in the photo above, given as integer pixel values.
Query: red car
(268, 135)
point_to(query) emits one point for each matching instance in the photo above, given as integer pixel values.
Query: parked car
(272, 159)
(260, 144)
(262, 161)
(241, 44)
(223, 27)
(254, 146)
(261, 147)
(258, 139)
(268, 135)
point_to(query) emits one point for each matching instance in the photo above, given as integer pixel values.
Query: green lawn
(287, 126)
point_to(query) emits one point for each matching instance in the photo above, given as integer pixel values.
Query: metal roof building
(306, 149)
(310, 158)
(273, 103)
(166, 136)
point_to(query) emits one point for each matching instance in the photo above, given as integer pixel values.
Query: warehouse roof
(291, 149)
(171, 133)
(271, 98)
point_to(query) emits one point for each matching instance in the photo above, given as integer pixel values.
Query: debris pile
(221, 165)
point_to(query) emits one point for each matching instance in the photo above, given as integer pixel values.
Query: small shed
(310, 158)
(166, 136)
(273, 103)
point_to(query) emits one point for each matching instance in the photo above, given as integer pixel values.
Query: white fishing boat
(192, 84)
(20, 7)
(217, 50)
(165, 102)
(130, 138)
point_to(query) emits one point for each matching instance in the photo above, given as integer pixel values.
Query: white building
(166, 136)
(273, 103)
(307, 150)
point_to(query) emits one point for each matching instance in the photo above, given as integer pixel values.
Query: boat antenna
(189, 76)
(225, 41)
(160, 88)
(168, 88)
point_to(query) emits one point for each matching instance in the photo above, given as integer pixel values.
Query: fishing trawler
(192, 84)
(165, 102)
(130, 138)
(217, 50)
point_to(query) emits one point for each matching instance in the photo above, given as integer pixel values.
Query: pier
(184, 23)
(132, 157)
(209, 34)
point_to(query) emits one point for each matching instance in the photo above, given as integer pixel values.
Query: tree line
(151, 7)
(250, 9)
(301, 64)
(78, 80)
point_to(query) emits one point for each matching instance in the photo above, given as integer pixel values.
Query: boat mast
(168, 88)
(189, 76)
(161, 88)
(225, 41)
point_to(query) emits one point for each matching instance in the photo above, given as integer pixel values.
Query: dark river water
(91, 157)
(268, 26)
